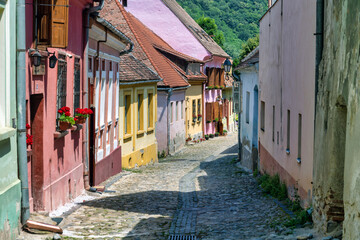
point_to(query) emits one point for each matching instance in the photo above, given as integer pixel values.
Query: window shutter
(59, 23)
(211, 76)
(208, 112)
(222, 78)
(221, 111)
(216, 76)
(43, 22)
(216, 110)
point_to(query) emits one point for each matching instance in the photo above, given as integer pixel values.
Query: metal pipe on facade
(21, 108)
(319, 41)
(238, 79)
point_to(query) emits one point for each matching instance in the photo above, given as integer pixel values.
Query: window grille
(76, 84)
(61, 82)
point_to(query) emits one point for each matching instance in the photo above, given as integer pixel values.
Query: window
(90, 64)
(127, 118)
(110, 66)
(52, 23)
(288, 132)
(140, 98)
(199, 107)
(124, 2)
(193, 108)
(76, 84)
(299, 138)
(150, 110)
(273, 124)
(61, 82)
(247, 107)
(171, 112)
(177, 111)
(262, 116)
(110, 98)
(182, 110)
(3, 62)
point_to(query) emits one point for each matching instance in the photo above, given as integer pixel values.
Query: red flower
(60, 111)
(75, 119)
(67, 109)
(67, 114)
(28, 126)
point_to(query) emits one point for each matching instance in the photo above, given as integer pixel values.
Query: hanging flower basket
(80, 119)
(63, 126)
(81, 114)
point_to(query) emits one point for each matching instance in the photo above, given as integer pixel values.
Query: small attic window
(124, 3)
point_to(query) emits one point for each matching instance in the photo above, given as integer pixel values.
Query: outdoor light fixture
(36, 57)
(227, 65)
(52, 60)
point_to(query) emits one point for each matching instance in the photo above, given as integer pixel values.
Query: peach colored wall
(287, 81)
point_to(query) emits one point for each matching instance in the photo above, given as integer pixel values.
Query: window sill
(127, 136)
(140, 133)
(150, 129)
(58, 135)
(6, 133)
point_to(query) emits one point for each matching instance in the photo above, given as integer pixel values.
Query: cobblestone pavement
(199, 191)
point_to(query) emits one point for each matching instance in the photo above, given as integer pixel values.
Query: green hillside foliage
(248, 46)
(237, 19)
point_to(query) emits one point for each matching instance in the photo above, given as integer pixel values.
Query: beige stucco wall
(287, 82)
(193, 129)
(138, 148)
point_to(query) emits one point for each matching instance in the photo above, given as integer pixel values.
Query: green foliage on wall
(237, 19)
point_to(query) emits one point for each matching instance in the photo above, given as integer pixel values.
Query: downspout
(21, 108)
(319, 43)
(170, 91)
(238, 79)
(87, 13)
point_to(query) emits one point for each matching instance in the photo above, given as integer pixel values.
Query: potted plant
(211, 135)
(194, 118)
(217, 134)
(65, 119)
(82, 114)
(210, 87)
(199, 117)
(29, 138)
(216, 119)
(207, 137)
(208, 121)
(225, 132)
(188, 139)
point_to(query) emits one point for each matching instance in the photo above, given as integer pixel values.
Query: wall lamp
(227, 67)
(52, 60)
(35, 56)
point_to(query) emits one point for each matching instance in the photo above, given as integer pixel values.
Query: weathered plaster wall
(153, 12)
(249, 129)
(211, 96)
(162, 121)
(229, 123)
(337, 129)
(177, 127)
(287, 82)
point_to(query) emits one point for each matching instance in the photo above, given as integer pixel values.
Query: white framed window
(110, 97)
(262, 116)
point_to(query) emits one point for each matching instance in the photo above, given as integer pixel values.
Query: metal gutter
(117, 33)
(21, 108)
(237, 77)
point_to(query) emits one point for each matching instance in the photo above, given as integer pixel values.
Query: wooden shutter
(43, 22)
(59, 23)
(208, 112)
(221, 111)
(222, 78)
(216, 110)
(211, 76)
(216, 76)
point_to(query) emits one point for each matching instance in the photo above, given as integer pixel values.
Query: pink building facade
(287, 94)
(55, 159)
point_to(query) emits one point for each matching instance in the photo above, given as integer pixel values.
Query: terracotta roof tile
(196, 30)
(132, 70)
(177, 54)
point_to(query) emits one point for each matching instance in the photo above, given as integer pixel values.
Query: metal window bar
(61, 83)
(76, 84)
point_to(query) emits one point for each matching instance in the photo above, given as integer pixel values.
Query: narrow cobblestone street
(198, 191)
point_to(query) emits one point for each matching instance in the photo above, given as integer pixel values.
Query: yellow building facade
(138, 112)
(194, 110)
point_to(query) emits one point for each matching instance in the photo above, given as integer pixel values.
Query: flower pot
(80, 120)
(64, 125)
(207, 138)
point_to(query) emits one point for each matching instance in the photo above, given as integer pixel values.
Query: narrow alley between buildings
(201, 191)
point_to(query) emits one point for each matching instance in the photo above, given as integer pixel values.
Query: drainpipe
(238, 79)
(21, 108)
(319, 41)
(170, 91)
(87, 13)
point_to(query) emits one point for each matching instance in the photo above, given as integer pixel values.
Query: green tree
(210, 27)
(248, 46)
